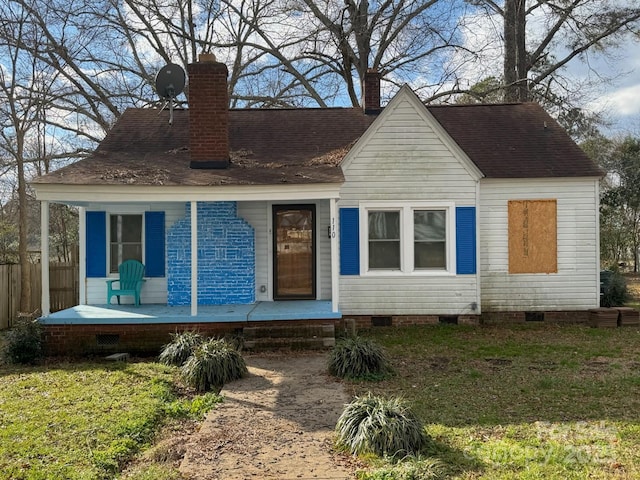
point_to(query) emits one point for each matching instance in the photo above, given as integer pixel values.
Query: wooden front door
(294, 252)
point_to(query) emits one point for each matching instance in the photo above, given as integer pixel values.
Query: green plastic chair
(130, 281)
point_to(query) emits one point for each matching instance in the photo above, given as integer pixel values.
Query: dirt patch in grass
(277, 423)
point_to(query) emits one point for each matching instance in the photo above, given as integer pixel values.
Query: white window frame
(406, 210)
(142, 239)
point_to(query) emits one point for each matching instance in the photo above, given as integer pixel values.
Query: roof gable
(407, 96)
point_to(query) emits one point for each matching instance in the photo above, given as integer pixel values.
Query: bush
(613, 289)
(358, 358)
(212, 364)
(180, 348)
(384, 427)
(23, 343)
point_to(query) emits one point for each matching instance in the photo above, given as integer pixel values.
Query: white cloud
(622, 102)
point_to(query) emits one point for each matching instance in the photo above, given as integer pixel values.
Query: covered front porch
(143, 330)
(165, 314)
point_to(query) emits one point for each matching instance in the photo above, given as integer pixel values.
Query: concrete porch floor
(155, 313)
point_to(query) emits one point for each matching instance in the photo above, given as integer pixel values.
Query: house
(410, 214)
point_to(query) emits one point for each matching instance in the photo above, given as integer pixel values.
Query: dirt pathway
(277, 423)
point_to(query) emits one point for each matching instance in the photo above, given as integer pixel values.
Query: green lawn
(532, 401)
(84, 420)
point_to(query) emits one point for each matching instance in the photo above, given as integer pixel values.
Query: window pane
(384, 240)
(430, 255)
(113, 258)
(429, 225)
(125, 239)
(131, 251)
(384, 254)
(131, 228)
(429, 235)
(384, 225)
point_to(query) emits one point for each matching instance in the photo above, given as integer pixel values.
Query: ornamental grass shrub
(384, 427)
(358, 358)
(212, 364)
(180, 348)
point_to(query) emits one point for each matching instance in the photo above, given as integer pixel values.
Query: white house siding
(405, 159)
(575, 286)
(256, 214)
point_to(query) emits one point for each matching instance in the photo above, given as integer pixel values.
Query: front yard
(532, 401)
(84, 420)
(535, 401)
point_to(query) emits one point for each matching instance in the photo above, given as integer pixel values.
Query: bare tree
(25, 84)
(565, 30)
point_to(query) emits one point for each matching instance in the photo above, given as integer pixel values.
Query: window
(407, 239)
(430, 239)
(384, 240)
(125, 239)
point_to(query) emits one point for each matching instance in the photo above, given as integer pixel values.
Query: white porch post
(82, 253)
(44, 257)
(194, 258)
(335, 279)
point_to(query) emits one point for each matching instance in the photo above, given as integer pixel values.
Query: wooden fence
(63, 291)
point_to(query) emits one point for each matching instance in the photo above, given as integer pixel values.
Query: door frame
(275, 208)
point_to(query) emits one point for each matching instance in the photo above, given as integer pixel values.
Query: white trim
(597, 225)
(44, 257)
(335, 267)
(478, 309)
(82, 253)
(194, 258)
(406, 210)
(86, 194)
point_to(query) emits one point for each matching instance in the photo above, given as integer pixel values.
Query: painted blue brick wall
(226, 257)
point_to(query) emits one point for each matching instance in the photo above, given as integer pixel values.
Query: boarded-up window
(533, 246)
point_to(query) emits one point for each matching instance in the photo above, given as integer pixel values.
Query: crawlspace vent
(106, 339)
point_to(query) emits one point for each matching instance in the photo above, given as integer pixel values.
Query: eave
(83, 195)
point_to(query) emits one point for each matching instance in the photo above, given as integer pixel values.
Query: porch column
(82, 253)
(194, 258)
(44, 257)
(335, 279)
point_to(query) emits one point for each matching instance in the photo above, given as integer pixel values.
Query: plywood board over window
(533, 239)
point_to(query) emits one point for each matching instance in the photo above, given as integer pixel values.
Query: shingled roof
(296, 146)
(518, 140)
(302, 146)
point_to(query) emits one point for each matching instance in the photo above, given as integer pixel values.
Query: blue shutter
(154, 244)
(96, 236)
(465, 240)
(349, 241)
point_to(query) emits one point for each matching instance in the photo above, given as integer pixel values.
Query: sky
(620, 97)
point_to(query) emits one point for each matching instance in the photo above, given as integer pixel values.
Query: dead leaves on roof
(147, 176)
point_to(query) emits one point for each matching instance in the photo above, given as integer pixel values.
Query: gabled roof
(518, 140)
(291, 146)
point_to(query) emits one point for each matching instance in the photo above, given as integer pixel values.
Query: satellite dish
(170, 82)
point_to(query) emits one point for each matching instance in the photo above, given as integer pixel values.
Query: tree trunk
(23, 251)
(515, 54)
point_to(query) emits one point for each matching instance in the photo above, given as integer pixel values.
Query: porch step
(297, 337)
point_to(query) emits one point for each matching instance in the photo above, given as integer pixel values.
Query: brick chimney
(371, 91)
(208, 113)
